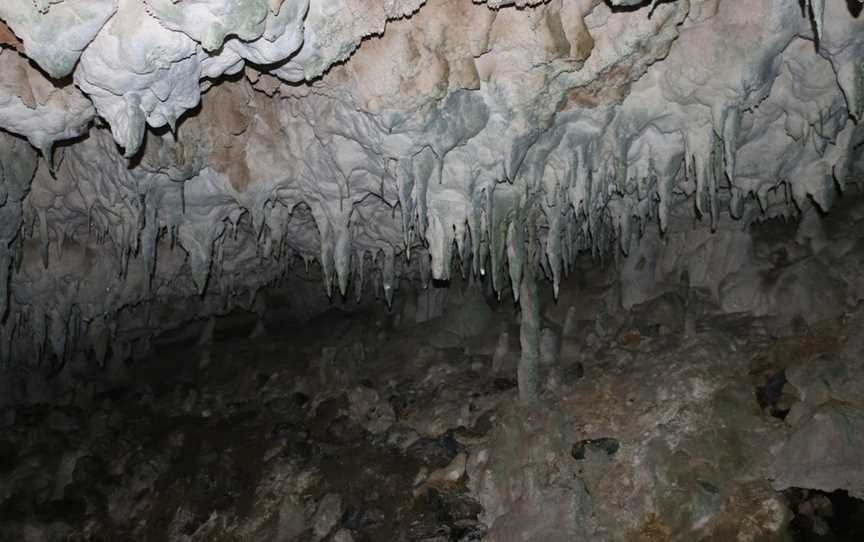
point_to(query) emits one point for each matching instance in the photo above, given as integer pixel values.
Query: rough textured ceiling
(200, 146)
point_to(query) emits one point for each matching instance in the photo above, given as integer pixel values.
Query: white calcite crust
(388, 139)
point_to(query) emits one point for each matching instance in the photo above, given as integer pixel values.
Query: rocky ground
(674, 420)
(353, 428)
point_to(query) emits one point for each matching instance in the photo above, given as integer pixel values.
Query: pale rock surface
(39, 109)
(823, 452)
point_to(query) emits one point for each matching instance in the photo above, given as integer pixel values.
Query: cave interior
(432, 270)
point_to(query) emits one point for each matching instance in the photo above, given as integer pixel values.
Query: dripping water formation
(431, 270)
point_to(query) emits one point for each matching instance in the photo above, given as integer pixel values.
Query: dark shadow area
(825, 517)
(769, 396)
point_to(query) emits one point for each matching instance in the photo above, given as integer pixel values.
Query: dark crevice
(769, 395)
(628, 8)
(825, 517)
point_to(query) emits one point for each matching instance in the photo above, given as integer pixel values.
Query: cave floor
(352, 428)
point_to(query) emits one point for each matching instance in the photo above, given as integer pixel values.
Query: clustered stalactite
(388, 146)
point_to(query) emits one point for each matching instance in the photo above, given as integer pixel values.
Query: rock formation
(184, 154)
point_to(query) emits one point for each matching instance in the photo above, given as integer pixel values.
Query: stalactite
(326, 257)
(200, 243)
(516, 253)
(731, 130)
(19, 250)
(359, 265)
(43, 236)
(5, 271)
(440, 241)
(475, 231)
(424, 262)
(817, 8)
(57, 333)
(427, 168)
(461, 159)
(342, 256)
(405, 186)
(553, 244)
(73, 332)
(463, 245)
(99, 337)
(6, 346)
(388, 275)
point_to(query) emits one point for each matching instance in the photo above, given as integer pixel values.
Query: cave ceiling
(196, 149)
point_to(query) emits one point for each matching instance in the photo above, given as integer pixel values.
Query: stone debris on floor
(672, 441)
(737, 426)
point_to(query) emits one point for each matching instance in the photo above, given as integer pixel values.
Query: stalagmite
(529, 325)
(570, 328)
(686, 292)
(502, 351)
(388, 275)
(550, 346)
